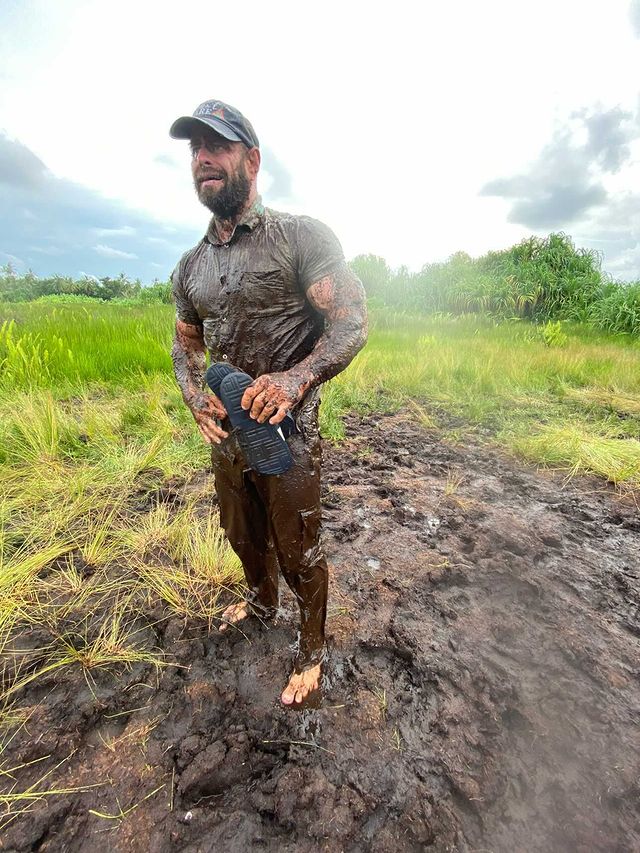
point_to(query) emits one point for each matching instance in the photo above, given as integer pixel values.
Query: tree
(374, 273)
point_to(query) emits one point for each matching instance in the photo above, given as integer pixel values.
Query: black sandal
(263, 445)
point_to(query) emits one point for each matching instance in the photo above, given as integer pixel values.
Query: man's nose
(203, 155)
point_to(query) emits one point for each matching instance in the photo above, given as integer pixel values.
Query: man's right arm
(189, 364)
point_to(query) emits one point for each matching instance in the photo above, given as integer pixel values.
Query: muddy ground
(482, 693)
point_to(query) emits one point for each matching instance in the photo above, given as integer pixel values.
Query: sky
(413, 129)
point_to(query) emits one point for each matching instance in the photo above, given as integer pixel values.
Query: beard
(228, 201)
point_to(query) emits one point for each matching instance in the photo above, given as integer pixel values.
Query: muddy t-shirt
(249, 295)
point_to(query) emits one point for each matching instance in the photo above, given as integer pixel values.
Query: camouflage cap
(224, 119)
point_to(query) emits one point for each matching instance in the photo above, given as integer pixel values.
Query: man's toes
(291, 691)
(303, 691)
(234, 613)
(288, 695)
(299, 688)
(306, 690)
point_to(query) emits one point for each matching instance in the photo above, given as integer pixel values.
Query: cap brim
(187, 126)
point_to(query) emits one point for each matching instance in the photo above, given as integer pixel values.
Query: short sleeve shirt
(249, 295)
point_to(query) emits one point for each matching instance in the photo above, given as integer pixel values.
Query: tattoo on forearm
(341, 299)
(189, 363)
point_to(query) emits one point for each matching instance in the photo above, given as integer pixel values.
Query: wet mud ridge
(482, 693)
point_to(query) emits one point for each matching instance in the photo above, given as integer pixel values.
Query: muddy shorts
(274, 522)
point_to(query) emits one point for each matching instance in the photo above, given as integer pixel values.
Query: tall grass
(618, 310)
(74, 471)
(64, 369)
(91, 418)
(508, 378)
(68, 345)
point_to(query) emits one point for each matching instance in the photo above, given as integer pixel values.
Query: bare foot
(301, 685)
(234, 613)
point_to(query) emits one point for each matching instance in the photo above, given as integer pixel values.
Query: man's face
(220, 176)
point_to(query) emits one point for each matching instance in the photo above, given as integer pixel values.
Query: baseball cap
(224, 119)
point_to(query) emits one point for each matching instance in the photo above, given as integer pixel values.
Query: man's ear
(253, 161)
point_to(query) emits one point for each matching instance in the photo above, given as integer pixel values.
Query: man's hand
(205, 408)
(272, 395)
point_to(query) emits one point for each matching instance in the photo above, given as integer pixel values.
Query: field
(481, 489)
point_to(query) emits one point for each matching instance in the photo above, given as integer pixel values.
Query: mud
(482, 692)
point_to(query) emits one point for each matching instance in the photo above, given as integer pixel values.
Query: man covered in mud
(268, 293)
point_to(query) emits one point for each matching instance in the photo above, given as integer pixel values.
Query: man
(268, 293)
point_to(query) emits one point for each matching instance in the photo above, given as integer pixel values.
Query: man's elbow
(356, 334)
(362, 333)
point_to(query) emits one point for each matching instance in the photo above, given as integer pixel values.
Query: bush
(552, 334)
(541, 279)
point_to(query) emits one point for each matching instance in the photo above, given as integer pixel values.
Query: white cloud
(110, 252)
(122, 231)
(54, 251)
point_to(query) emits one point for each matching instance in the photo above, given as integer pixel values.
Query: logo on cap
(210, 108)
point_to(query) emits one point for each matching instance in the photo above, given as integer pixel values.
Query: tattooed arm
(340, 298)
(188, 355)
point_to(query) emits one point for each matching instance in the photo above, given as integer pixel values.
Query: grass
(90, 416)
(16, 802)
(573, 448)
(381, 698)
(121, 814)
(75, 546)
(65, 345)
(506, 379)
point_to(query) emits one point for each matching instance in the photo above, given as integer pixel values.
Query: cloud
(123, 231)
(19, 166)
(50, 225)
(281, 183)
(609, 135)
(167, 160)
(565, 183)
(46, 250)
(615, 231)
(566, 187)
(634, 14)
(110, 252)
(559, 207)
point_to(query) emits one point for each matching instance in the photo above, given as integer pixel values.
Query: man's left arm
(340, 298)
